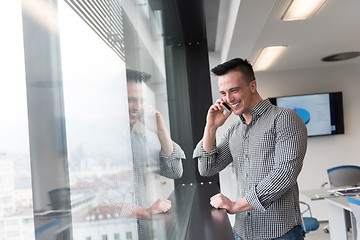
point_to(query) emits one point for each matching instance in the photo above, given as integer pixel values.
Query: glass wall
(85, 144)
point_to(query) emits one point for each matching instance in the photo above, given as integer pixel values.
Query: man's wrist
(241, 206)
(211, 129)
(236, 207)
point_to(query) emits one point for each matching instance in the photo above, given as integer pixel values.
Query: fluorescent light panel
(302, 9)
(267, 57)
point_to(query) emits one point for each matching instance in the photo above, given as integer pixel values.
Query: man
(152, 147)
(267, 147)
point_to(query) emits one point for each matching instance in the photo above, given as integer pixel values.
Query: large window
(95, 122)
(85, 144)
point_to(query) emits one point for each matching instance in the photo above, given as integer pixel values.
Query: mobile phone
(226, 107)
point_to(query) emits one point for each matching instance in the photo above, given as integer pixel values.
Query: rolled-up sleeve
(219, 157)
(171, 166)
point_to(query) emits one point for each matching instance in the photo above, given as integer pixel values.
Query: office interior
(66, 155)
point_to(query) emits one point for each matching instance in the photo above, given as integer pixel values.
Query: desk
(337, 210)
(317, 204)
(317, 194)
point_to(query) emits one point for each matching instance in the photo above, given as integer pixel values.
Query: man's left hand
(221, 201)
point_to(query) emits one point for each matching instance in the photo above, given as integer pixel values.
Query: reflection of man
(149, 148)
(267, 147)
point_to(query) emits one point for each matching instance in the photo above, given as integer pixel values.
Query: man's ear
(253, 86)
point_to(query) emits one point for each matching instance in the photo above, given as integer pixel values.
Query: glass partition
(102, 157)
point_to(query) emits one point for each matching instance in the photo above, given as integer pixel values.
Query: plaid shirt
(268, 156)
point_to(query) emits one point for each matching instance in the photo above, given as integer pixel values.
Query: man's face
(135, 101)
(237, 92)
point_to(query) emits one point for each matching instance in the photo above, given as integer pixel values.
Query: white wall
(323, 151)
(326, 151)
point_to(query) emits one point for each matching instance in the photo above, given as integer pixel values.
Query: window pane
(103, 161)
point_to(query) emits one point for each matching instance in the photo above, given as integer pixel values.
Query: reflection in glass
(121, 156)
(153, 152)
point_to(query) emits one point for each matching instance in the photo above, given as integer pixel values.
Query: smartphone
(226, 107)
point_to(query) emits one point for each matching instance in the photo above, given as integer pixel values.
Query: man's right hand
(215, 117)
(160, 206)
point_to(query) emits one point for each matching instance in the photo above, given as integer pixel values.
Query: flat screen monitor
(322, 113)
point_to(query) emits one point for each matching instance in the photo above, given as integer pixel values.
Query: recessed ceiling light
(267, 57)
(341, 56)
(302, 9)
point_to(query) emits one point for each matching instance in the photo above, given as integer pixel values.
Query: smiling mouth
(235, 105)
(133, 114)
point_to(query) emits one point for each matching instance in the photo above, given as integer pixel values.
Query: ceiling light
(267, 57)
(302, 9)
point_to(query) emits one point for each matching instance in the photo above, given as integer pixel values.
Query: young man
(267, 147)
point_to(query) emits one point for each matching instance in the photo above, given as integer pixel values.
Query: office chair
(308, 223)
(354, 203)
(345, 175)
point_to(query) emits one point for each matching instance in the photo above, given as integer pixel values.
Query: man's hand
(160, 206)
(215, 117)
(154, 122)
(220, 201)
(152, 119)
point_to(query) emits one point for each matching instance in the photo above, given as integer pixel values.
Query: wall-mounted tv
(321, 112)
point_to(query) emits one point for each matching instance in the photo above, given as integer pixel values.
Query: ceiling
(242, 30)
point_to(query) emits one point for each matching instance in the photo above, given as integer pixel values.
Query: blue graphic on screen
(305, 115)
(313, 109)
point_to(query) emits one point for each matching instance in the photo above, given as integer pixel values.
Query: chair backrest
(354, 203)
(346, 175)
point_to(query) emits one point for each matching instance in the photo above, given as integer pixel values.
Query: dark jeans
(296, 233)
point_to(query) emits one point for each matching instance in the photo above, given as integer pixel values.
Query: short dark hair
(137, 76)
(236, 64)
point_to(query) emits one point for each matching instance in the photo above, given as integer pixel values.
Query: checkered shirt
(268, 156)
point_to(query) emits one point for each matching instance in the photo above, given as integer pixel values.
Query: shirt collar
(257, 110)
